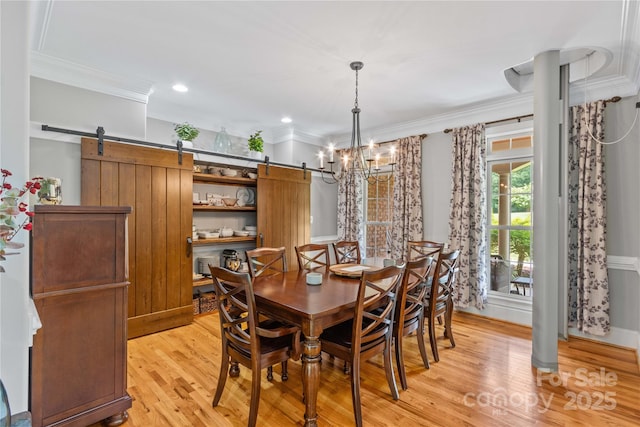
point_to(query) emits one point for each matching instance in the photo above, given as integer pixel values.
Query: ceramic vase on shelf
(255, 155)
(222, 143)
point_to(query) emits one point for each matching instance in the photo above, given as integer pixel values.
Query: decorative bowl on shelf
(250, 227)
(240, 233)
(252, 175)
(229, 172)
(228, 201)
(226, 232)
(208, 234)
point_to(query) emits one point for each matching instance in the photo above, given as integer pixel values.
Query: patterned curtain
(350, 208)
(588, 280)
(468, 215)
(407, 196)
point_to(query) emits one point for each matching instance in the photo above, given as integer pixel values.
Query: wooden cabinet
(79, 285)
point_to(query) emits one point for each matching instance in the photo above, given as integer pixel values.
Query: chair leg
(421, 344)
(222, 379)
(402, 373)
(355, 391)
(432, 339)
(388, 370)
(256, 373)
(447, 324)
(346, 369)
(285, 373)
(270, 373)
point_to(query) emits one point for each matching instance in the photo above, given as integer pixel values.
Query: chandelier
(357, 160)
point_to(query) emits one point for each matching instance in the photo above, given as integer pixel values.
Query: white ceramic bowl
(240, 233)
(314, 279)
(250, 228)
(229, 172)
(252, 175)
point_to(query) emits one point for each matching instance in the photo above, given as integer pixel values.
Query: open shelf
(228, 180)
(223, 240)
(224, 208)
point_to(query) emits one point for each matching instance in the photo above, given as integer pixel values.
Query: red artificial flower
(6, 172)
(23, 207)
(6, 185)
(28, 226)
(29, 214)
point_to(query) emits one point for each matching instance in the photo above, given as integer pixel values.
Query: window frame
(511, 131)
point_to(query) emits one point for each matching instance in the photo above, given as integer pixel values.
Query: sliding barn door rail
(179, 147)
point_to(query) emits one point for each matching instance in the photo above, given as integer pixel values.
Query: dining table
(287, 297)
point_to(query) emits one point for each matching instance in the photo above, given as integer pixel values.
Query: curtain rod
(422, 136)
(99, 134)
(518, 118)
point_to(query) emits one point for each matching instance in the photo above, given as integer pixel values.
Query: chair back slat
(266, 261)
(236, 307)
(347, 252)
(424, 248)
(312, 257)
(446, 271)
(376, 306)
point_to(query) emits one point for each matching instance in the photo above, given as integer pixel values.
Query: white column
(546, 134)
(15, 332)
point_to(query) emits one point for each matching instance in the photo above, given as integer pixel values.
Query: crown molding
(72, 74)
(290, 133)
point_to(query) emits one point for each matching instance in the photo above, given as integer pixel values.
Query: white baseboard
(518, 311)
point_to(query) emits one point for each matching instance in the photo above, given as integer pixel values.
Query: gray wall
(436, 186)
(623, 207)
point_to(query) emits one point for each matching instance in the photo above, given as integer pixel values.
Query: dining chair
(245, 339)
(440, 298)
(424, 248)
(410, 309)
(266, 261)
(313, 257)
(370, 331)
(347, 252)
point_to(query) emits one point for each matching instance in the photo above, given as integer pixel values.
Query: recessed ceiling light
(178, 87)
(286, 120)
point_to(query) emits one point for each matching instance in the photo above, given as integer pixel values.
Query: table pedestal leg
(311, 379)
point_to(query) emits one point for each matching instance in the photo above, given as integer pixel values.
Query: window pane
(521, 142)
(500, 145)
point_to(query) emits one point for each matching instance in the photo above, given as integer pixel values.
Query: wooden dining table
(313, 308)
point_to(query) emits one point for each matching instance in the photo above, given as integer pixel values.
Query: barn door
(160, 191)
(284, 209)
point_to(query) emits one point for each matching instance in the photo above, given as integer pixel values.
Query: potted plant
(186, 132)
(256, 145)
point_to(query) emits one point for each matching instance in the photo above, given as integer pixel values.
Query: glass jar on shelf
(222, 143)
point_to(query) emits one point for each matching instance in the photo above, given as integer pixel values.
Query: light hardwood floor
(487, 380)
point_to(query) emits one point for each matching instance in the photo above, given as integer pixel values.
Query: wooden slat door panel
(160, 261)
(284, 209)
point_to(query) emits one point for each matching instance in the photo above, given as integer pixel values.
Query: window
(378, 214)
(510, 162)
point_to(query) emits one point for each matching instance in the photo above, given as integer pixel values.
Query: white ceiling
(248, 63)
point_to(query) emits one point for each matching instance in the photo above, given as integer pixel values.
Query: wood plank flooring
(486, 380)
